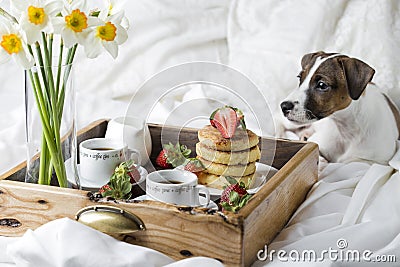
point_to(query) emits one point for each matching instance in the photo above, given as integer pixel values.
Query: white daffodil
(114, 7)
(36, 16)
(75, 22)
(13, 45)
(108, 35)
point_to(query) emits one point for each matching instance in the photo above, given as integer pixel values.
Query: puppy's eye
(322, 86)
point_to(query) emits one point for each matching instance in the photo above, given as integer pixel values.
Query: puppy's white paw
(305, 132)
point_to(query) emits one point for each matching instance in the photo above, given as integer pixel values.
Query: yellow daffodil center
(11, 43)
(107, 32)
(36, 15)
(76, 21)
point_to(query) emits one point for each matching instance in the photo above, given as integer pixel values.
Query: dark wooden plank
(274, 152)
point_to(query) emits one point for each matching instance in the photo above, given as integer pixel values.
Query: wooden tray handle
(110, 220)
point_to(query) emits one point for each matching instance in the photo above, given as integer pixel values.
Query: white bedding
(265, 40)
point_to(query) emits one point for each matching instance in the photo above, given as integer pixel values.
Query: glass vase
(50, 125)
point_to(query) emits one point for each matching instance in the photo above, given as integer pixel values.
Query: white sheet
(265, 40)
(65, 242)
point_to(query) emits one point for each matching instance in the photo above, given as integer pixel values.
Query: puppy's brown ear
(309, 59)
(358, 74)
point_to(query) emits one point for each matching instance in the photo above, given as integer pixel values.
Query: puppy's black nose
(286, 107)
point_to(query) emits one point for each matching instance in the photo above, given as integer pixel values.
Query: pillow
(162, 33)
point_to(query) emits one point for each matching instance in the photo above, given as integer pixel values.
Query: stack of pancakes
(234, 157)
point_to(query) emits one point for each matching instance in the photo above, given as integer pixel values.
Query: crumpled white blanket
(354, 207)
(68, 243)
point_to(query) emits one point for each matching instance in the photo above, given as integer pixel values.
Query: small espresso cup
(177, 187)
(100, 156)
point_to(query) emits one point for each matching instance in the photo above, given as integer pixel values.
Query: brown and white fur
(337, 107)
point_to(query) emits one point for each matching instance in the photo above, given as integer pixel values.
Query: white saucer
(89, 184)
(202, 199)
(262, 175)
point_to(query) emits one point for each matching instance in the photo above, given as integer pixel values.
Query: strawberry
(105, 188)
(225, 196)
(194, 165)
(172, 155)
(234, 196)
(162, 160)
(225, 120)
(120, 184)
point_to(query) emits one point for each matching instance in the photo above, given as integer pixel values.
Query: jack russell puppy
(337, 107)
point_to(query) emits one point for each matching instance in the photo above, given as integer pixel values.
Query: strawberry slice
(225, 120)
(134, 174)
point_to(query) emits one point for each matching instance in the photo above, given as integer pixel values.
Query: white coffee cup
(100, 156)
(132, 131)
(176, 187)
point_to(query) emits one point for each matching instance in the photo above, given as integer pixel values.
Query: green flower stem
(48, 133)
(70, 58)
(43, 157)
(42, 72)
(57, 159)
(49, 173)
(50, 49)
(49, 91)
(43, 162)
(40, 100)
(60, 59)
(53, 99)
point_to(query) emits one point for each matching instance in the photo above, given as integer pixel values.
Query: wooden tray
(180, 232)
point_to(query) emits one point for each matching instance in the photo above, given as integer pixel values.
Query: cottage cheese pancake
(229, 170)
(242, 140)
(226, 157)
